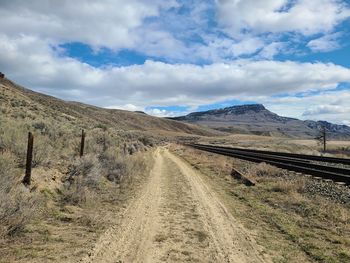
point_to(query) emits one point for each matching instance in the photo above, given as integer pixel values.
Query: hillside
(20, 103)
(85, 190)
(256, 119)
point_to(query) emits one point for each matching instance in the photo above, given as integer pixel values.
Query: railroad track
(294, 162)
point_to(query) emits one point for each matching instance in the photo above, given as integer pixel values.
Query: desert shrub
(13, 139)
(131, 149)
(41, 126)
(76, 192)
(85, 167)
(116, 171)
(289, 186)
(101, 126)
(266, 170)
(7, 163)
(147, 141)
(18, 206)
(42, 152)
(15, 103)
(83, 175)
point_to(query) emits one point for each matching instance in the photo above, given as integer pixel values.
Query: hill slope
(17, 102)
(256, 119)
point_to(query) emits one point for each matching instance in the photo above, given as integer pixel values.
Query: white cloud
(327, 105)
(246, 47)
(161, 113)
(272, 49)
(158, 28)
(31, 62)
(217, 49)
(325, 43)
(129, 107)
(152, 111)
(307, 17)
(326, 109)
(31, 32)
(108, 23)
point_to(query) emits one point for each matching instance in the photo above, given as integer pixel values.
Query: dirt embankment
(177, 218)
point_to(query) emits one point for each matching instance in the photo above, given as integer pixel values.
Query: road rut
(176, 218)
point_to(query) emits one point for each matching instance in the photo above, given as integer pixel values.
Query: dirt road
(177, 218)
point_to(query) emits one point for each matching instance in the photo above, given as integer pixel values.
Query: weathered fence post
(28, 174)
(82, 144)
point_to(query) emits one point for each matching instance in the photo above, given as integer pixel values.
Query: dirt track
(177, 218)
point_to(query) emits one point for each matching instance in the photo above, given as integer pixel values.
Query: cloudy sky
(172, 57)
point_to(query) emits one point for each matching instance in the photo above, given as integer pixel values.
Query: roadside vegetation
(296, 219)
(71, 199)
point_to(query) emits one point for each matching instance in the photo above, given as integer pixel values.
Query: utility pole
(324, 138)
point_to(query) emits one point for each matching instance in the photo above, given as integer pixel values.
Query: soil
(176, 218)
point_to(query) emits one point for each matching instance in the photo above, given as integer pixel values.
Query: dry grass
(338, 148)
(18, 207)
(292, 224)
(288, 187)
(70, 197)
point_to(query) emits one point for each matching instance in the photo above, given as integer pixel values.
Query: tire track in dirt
(177, 218)
(232, 241)
(129, 239)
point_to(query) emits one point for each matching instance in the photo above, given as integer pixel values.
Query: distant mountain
(256, 119)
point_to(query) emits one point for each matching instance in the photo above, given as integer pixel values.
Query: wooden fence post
(82, 144)
(28, 174)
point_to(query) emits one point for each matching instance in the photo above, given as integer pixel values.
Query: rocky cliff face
(256, 119)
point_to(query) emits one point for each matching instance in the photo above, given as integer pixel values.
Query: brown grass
(70, 197)
(17, 207)
(292, 224)
(336, 148)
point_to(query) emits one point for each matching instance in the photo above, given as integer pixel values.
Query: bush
(41, 126)
(285, 186)
(76, 193)
(18, 206)
(83, 175)
(147, 141)
(266, 170)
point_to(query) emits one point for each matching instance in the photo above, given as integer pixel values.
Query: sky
(169, 58)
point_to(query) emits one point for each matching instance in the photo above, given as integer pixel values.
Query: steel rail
(293, 161)
(292, 155)
(326, 172)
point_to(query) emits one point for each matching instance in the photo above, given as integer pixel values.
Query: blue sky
(169, 58)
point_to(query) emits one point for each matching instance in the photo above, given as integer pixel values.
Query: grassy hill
(19, 103)
(66, 188)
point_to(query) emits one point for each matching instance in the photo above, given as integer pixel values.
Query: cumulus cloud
(306, 17)
(129, 107)
(163, 29)
(326, 109)
(325, 43)
(161, 112)
(181, 34)
(332, 105)
(109, 23)
(272, 49)
(31, 62)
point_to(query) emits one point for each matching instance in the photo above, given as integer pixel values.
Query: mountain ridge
(256, 119)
